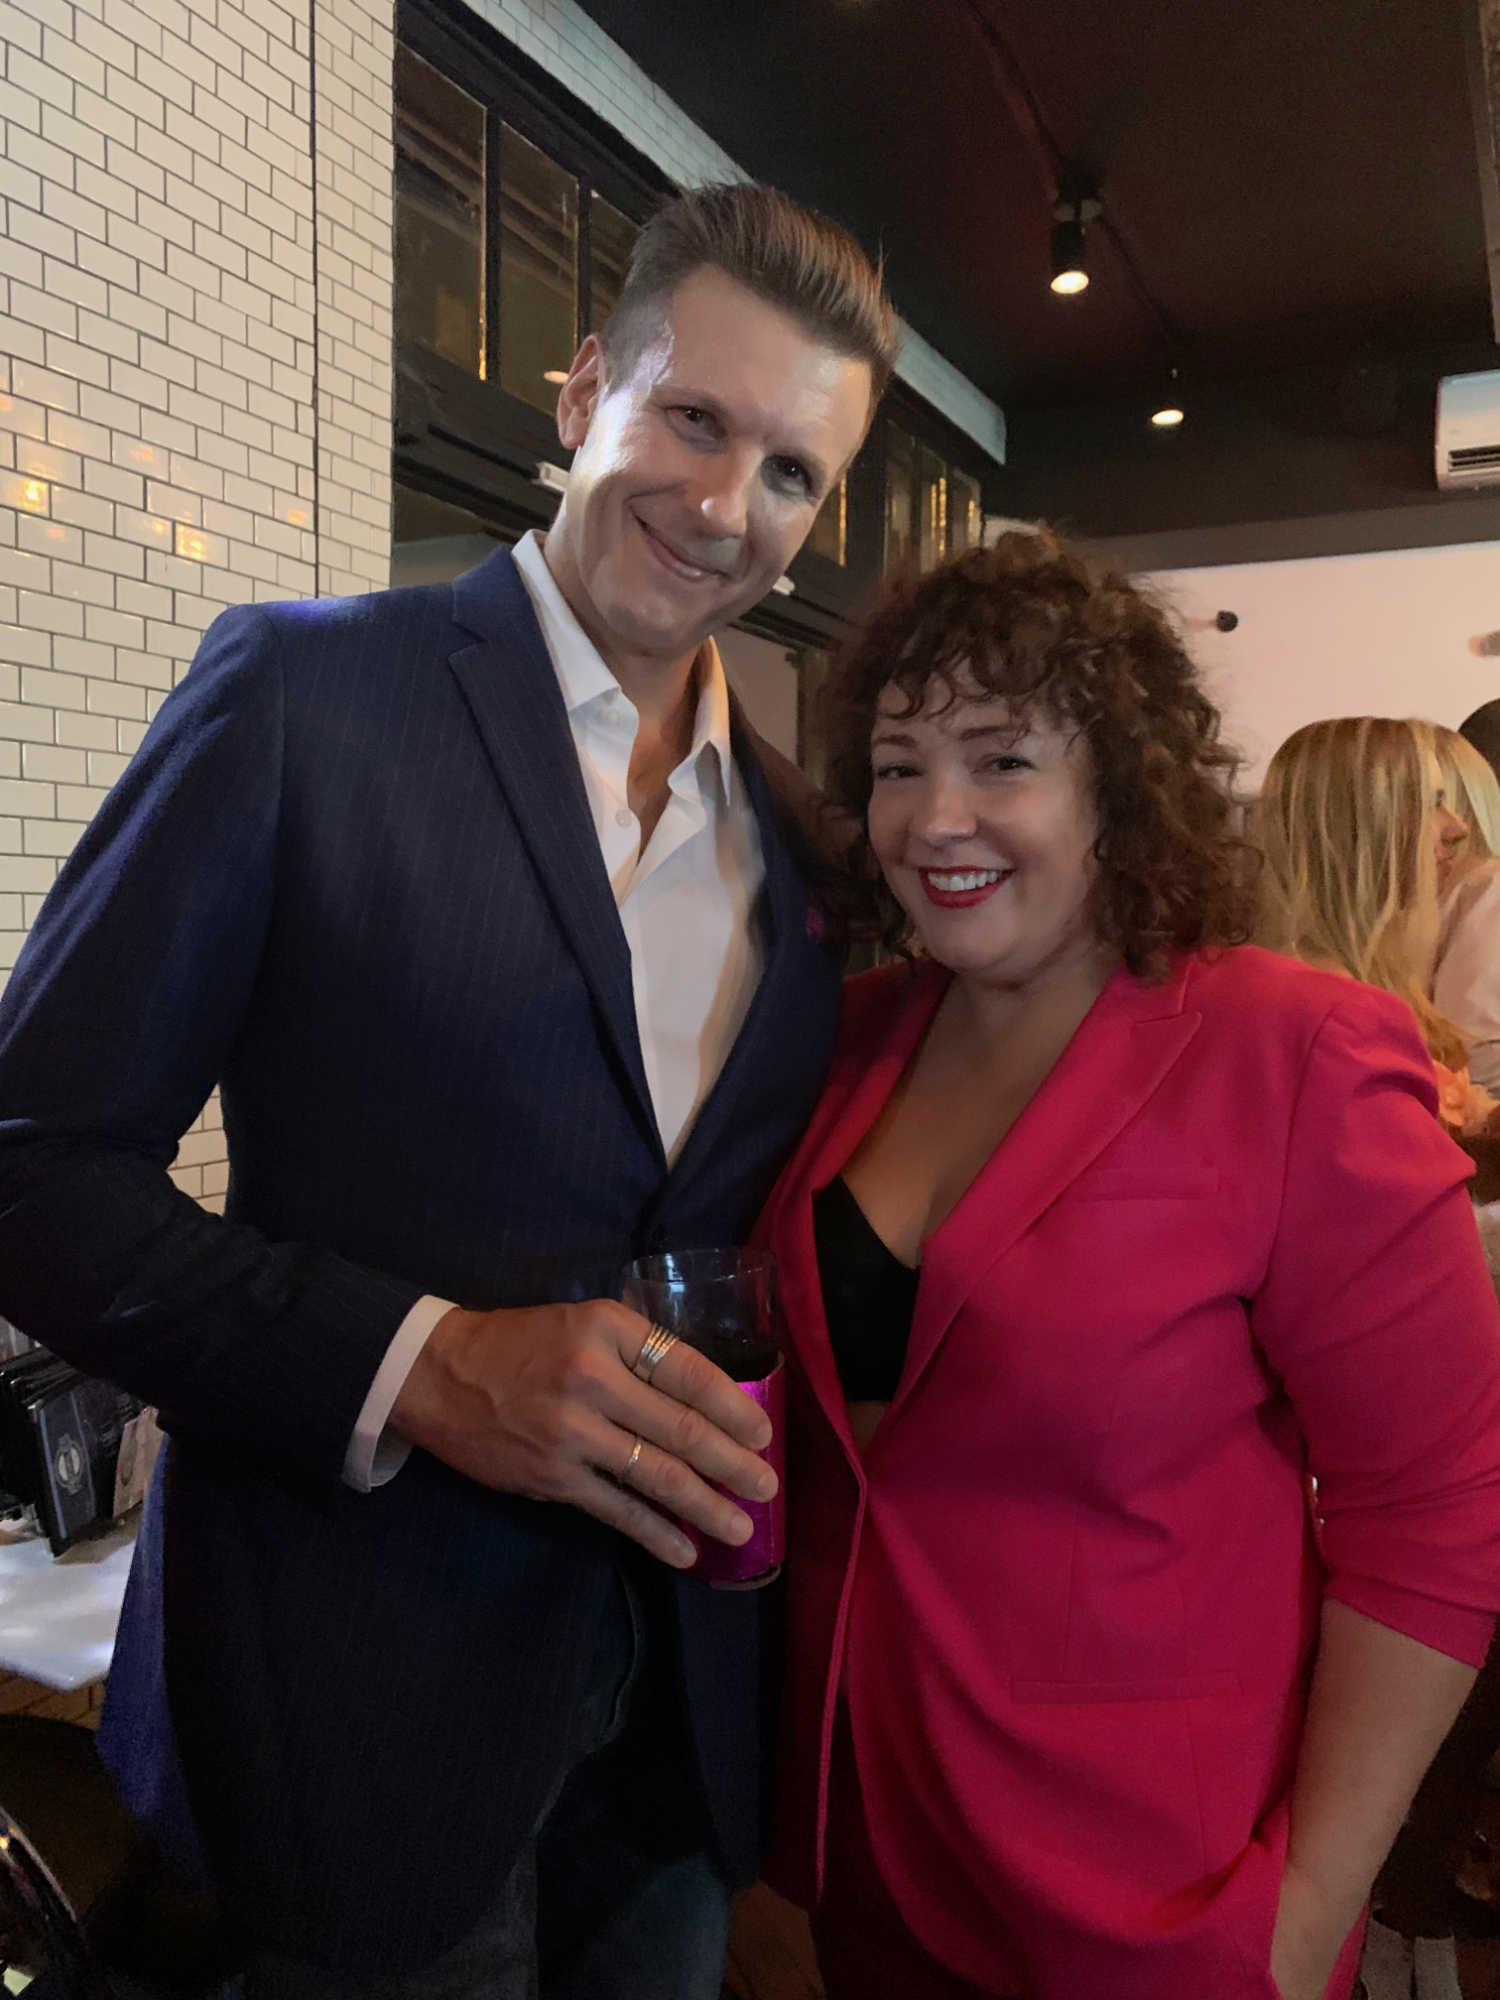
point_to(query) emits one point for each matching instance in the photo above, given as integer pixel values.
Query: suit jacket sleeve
(113, 1030)
(1377, 1313)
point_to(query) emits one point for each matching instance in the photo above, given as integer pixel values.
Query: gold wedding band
(653, 1347)
(630, 1463)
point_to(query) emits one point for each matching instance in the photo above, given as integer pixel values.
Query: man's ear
(578, 397)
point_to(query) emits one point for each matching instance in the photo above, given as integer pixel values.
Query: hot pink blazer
(1070, 1593)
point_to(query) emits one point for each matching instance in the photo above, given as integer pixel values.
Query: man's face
(699, 471)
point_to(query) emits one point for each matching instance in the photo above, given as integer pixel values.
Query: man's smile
(674, 560)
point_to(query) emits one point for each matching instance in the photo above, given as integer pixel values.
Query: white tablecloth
(58, 1613)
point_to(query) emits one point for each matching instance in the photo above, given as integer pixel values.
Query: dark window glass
(538, 270)
(964, 516)
(439, 214)
(830, 532)
(611, 239)
(900, 498)
(812, 746)
(933, 506)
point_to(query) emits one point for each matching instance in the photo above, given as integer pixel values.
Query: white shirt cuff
(375, 1454)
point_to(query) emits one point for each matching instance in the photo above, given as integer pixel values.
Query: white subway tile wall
(187, 256)
(355, 290)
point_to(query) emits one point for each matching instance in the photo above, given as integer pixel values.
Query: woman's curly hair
(1031, 622)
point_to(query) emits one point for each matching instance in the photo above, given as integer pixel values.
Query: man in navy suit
(477, 903)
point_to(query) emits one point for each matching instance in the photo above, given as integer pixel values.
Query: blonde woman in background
(1466, 986)
(1362, 824)
(1360, 839)
(1466, 979)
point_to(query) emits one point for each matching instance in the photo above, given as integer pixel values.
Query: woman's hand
(1308, 1937)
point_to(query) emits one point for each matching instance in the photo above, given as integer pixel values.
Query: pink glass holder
(757, 1561)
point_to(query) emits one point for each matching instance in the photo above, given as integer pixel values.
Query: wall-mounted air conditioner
(1468, 431)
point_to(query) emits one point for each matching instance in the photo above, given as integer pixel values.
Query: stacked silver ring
(657, 1343)
(630, 1462)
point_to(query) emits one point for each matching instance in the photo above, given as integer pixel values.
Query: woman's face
(985, 832)
(1447, 835)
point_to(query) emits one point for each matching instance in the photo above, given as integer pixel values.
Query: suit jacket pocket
(1162, 1687)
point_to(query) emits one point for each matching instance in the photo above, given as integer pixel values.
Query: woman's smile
(959, 888)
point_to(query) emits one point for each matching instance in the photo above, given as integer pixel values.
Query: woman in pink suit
(1104, 1236)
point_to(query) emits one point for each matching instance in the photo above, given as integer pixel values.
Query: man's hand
(541, 1401)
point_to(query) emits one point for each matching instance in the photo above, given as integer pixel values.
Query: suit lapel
(508, 680)
(1124, 1048)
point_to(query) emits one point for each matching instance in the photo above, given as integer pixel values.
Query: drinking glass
(725, 1303)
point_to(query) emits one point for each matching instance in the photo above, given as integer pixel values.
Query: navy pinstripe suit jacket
(351, 877)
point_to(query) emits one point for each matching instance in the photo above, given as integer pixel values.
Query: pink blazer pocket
(1174, 1687)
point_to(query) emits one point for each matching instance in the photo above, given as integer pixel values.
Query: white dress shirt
(1466, 982)
(687, 907)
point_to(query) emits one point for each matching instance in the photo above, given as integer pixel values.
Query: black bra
(869, 1296)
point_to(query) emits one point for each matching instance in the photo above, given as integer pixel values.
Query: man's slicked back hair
(809, 267)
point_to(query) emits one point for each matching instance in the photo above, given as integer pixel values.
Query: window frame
(928, 428)
(514, 91)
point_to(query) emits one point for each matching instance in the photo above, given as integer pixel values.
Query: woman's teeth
(954, 884)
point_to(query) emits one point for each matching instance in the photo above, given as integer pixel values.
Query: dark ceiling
(1287, 183)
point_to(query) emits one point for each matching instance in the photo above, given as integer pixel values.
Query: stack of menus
(60, 1434)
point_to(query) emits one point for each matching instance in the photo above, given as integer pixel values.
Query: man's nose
(721, 496)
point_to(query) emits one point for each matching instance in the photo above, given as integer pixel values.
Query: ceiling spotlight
(1069, 270)
(1069, 274)
(1169, 412)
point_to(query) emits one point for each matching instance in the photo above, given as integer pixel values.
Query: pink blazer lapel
(1125, 1046)
(839, 1125)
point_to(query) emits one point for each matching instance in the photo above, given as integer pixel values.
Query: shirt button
(624, 818)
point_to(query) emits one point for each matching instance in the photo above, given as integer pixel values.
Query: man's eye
(693, 417)
(788, 472)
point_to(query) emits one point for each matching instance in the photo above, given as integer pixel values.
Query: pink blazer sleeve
(1377, 1314)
